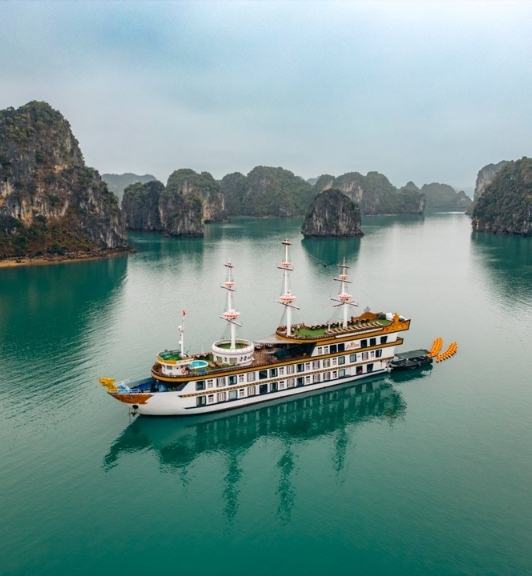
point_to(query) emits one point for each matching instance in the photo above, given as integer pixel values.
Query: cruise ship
(297, 358)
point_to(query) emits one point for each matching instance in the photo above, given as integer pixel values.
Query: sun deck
(317, 331)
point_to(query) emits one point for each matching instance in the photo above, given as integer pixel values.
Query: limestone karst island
(53, 206)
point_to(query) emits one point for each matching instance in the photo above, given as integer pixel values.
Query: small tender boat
(411, 360)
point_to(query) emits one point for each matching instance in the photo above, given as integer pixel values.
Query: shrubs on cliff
(445, 197)
(374, 193)
(266, 191)
(505, 206)
(332, 215)
(50, 201)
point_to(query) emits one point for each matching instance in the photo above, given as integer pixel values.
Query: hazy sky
(422, 91)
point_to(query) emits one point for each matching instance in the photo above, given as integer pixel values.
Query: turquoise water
(423, 473)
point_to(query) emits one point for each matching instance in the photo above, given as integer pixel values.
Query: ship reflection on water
(177, 443)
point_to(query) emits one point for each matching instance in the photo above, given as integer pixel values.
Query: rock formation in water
(182, 208)
(505, 205)
(444, 197)
(266, 191)
(185, 184)
(50, 202)
(484, 178)
(332, 215)
(374, 193)
(140, 205)
(117, 183)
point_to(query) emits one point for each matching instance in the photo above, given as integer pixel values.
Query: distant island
(485, 177)
(117, 183)
(505, 204)
(52, 204)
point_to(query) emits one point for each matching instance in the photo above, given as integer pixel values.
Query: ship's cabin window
(273, 372)
(232, 394)
(252, 390)
(240, 378)
(210, 398)
(369, 368)
(200, 385)
(290, 383)
(378, 353)
(372, 354)
(251, 377)
(327, 376)
(231, 380)
(316, 378)
(335, 375)
(300, 367)
(320, 350)
(334, 361)
(360, 370)
(201, 400)
(281, 371)
(341, 347)
(282, 385)
(220, 382)
(364, 355)
(263, 374)
(316, 364)
(363, 343)
(341, 373)
(220, 397)
(300, 381)
(290, 369)
(242, 393)
(333, 348)
(307, 380)
(263, 389)
(326, 362)
(341, 359)
(232, 360)
(273, 387)
(352, 357)
(384, 339)
(307, 366)
(209, 383)
(373, 341)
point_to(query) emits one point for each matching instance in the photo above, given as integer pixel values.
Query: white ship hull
(174, 404)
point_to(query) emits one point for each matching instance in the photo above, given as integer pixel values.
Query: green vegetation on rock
(445, 197)
(505, 206)
(374, 193)
(266, 191)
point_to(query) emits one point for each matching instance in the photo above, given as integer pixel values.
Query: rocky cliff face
(374, 193)
(181, 214)
(332, 215)
(117, 183)
(485, 177)
(505, 205)
(140, 205)
(187, 184)
(49, 200)
(267, 191)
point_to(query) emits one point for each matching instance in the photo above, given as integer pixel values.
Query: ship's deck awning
(411, 354)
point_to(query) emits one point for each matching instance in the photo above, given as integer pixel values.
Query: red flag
(183, 313)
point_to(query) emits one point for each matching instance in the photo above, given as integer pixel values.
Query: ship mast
(344, 298)
(230, 314)
(182, 335)
(287, 298)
